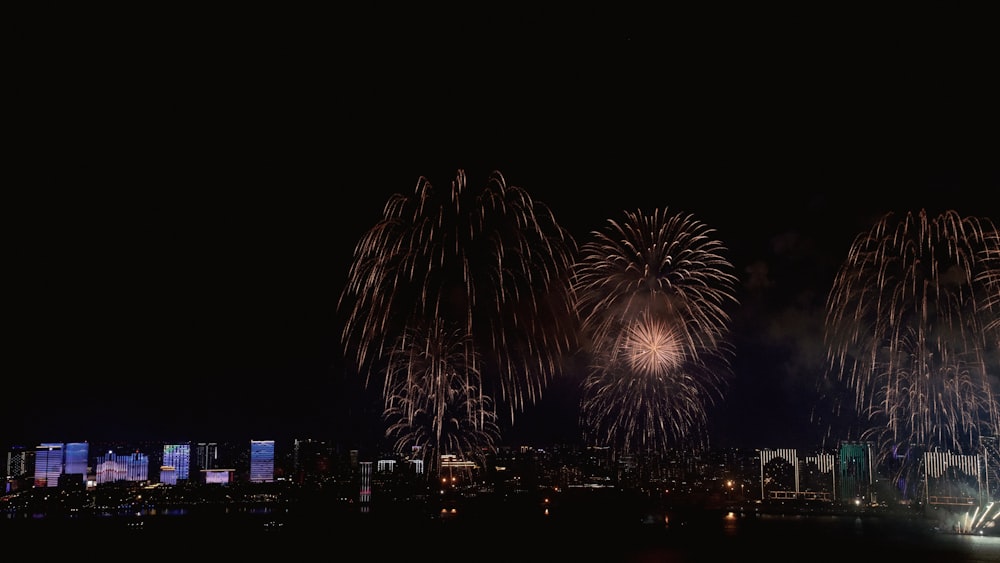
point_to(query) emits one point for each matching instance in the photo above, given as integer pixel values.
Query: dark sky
(188, 191)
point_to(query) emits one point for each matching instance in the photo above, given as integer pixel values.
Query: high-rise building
(855, 475)
(818, 476)
(365, 493)
(48, 464)
(261, 461)
(17, 462)
(779, 473)
(76, 458)
(953, 479)
(177, 456)
(311, 459)
(207, 455)
(113, 467)
(75, 464)
(20, 469)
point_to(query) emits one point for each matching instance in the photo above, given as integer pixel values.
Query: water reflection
(559, 528)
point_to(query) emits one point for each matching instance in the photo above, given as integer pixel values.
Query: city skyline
(843, 474)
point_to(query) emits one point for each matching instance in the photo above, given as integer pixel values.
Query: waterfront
(519, 530)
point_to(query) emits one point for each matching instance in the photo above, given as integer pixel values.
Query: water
(536, 532)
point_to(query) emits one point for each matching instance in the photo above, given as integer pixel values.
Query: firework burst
(434, 401)
(912, 333)
(652, 293)
(490, 262)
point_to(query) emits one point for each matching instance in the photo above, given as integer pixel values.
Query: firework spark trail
(652, 293)
(990, 278)
(492, 261)
(434, 400)
(911, 331)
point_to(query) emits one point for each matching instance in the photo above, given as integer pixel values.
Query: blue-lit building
(177, 456)
(48, 464)
(75, 461)
(168, 475)
(261, 461)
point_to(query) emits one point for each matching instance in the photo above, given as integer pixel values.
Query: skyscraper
(20, 472)
(48, 464)
(207, 455)
(261, 461)
(75, 464)
(855, 474)
(365, 493)
(178, 456)
(17, 462)
(77, 458)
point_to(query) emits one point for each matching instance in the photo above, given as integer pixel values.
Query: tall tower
(365, 494)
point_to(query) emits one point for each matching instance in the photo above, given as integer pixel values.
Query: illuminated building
(779, 474)
(261, 461)
(76, 458)
(207, 455)
(818, 477)
(112, 467)
(177, 456)
(168, 475)
(952, 479)
(217, 476)
(20, 469)
(48, 464)
(418, 466)
(365, 494)
(855, 473)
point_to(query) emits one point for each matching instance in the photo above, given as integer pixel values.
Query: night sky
(187, 196)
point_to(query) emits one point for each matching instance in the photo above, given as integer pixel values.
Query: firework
(491, 262)
(434, 402)
(652, 294)
(989, 277)
(911, 333)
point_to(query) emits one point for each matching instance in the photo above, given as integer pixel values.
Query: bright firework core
(653, 347)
